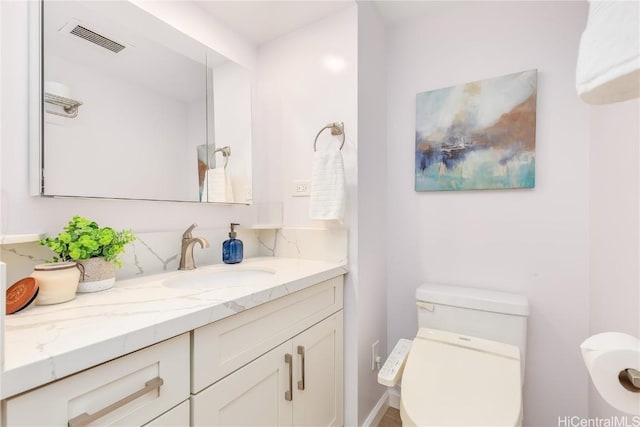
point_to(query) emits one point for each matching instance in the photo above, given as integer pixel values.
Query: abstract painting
(478, 135)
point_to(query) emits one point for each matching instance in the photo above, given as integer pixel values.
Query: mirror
(134, 109)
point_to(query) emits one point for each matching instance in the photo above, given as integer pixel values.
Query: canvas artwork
(477, 136)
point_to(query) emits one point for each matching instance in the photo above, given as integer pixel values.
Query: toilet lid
(455, 380)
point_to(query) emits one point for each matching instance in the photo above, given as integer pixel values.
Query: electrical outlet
(301, 188)
(374, 355)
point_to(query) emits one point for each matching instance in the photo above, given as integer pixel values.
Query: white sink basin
(219, 278)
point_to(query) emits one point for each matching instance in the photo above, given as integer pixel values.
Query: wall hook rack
(70, 106)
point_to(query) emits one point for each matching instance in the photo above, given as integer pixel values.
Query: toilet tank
(482, 313)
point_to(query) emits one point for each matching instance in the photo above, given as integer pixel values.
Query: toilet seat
(456, 380)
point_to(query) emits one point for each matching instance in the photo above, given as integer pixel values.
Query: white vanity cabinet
(147, 386)
(277, 364)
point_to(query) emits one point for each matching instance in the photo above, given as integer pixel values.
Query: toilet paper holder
(630, 379)
(612, 362)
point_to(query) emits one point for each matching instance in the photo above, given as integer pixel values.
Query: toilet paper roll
(56, 88)
(606, 356)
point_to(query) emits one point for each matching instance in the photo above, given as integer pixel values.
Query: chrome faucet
(188, 241)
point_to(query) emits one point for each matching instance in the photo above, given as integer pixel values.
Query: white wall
(24, 214)
(297, 95)
(372, 205)
(614, 227)
(533, 242)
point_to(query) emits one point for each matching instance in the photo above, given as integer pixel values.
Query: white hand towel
(218, 186)
(328, 188)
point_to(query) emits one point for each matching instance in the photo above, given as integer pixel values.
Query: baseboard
(376, 414)
(394, 397)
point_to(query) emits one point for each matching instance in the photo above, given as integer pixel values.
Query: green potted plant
(95, 249)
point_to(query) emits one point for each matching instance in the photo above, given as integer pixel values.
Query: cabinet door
(318, 401)
(252, 396)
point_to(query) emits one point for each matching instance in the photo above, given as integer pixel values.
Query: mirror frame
(36, 118)
(36, 115)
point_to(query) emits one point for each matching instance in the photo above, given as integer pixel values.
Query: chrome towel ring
(337, 128)
(226, 152)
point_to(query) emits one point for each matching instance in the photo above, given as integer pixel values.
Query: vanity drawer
(131, 390)
(224, 346)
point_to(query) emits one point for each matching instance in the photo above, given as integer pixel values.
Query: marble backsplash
(158, 252)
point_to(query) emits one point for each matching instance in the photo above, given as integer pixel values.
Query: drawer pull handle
(288, 395)
(301, 353)
(85, 419)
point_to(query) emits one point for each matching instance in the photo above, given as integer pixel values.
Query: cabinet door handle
(301, 353)
(85, 419)
(288, 395)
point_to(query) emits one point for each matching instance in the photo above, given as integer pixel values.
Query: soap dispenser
(232, 249)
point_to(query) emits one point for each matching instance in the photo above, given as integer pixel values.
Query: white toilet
(466, 364)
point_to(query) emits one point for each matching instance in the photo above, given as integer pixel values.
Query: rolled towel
(608, 68)
(218, 186)
(328, 188)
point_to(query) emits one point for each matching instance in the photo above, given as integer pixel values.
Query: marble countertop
(45, 343)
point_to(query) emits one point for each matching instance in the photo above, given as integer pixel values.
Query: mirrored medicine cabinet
(124, 106)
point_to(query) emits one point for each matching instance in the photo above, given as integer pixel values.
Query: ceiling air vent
(96, 38)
